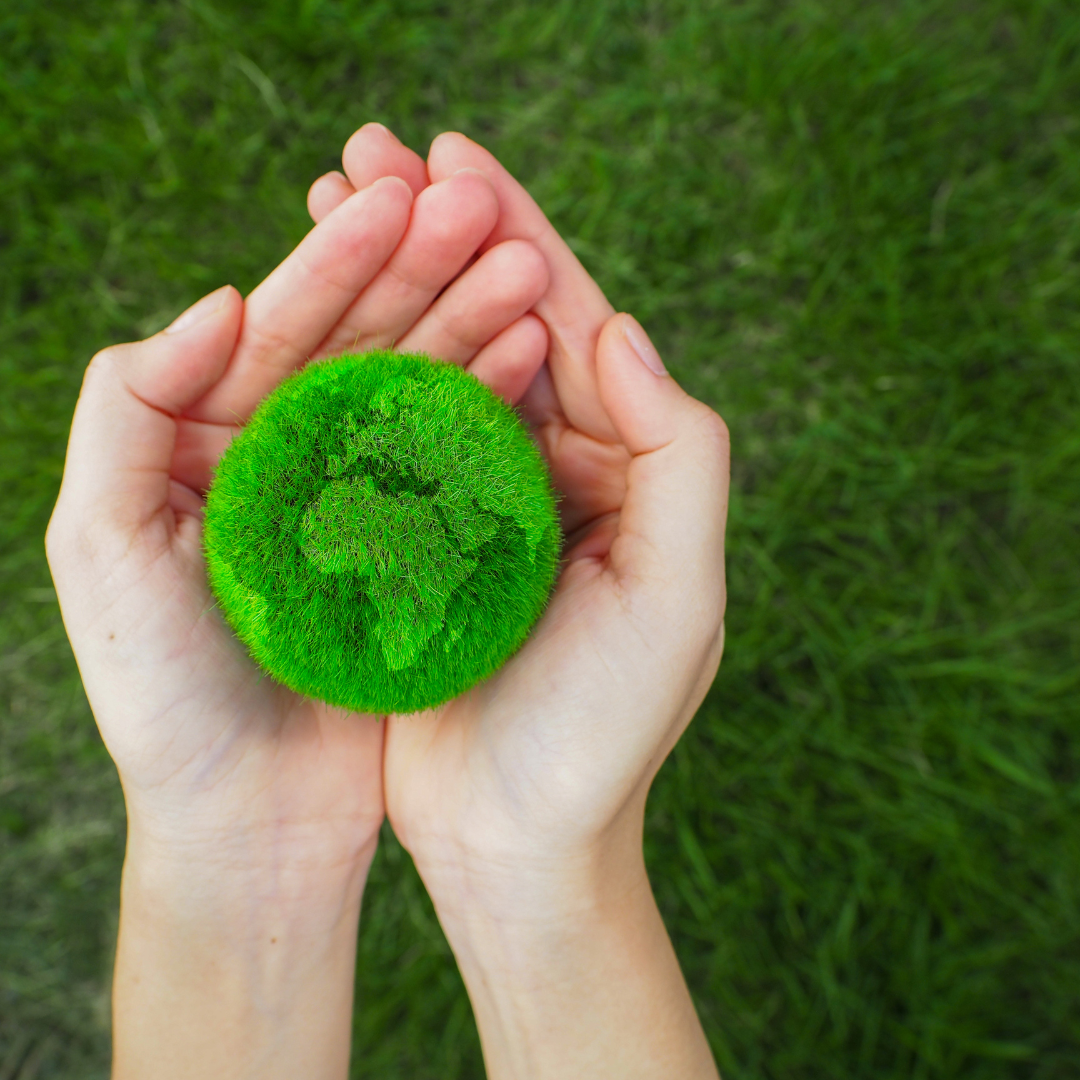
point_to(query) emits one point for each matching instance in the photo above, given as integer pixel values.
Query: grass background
(853, 228)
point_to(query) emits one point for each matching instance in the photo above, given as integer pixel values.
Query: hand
(543, 758)
(250, 807)
(522, 801)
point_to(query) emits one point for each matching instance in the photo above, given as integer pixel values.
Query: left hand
(210, 751)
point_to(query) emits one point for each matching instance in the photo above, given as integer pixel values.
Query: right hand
(522, 801)
(550, 760)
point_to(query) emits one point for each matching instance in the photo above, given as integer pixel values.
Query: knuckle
(712, 426)
(106, 363)
(711, 442)
(100, 361)
(55, 540)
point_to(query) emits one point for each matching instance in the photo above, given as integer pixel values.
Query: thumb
(123, 433)
(670, 542)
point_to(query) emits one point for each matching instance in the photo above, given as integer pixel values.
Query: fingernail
(640, 343)
(198, 311)
(375, 123)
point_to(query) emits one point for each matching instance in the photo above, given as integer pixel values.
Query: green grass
(853, 228)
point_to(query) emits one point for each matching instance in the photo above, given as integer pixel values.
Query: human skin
(522, 801)
(253, 814)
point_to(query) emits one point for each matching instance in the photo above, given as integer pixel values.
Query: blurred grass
(854, 230)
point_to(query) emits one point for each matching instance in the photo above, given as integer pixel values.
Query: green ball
(383, 533)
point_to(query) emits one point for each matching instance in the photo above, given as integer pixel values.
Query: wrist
(536, 928)
(562, 966)
(525, 891)
(524, 877)
(207, 857)
(233, 966)
(563, 951)
(245, 883)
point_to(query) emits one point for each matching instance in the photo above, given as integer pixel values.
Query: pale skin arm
(253, 814)
(522, 802)
(570, 969)
(234, 972)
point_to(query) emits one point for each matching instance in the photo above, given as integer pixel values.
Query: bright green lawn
(853, 228)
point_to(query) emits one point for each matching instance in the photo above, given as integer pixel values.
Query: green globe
(383, 533)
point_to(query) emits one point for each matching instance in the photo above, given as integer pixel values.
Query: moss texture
(383, 534)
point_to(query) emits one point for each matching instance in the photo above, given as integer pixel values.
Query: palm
(206, 739)
(518, 754)
(218, 745)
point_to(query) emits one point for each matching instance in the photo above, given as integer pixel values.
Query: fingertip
(392, 197)
(361, 137)
(646, 406)
(527, 263)
(641, 343)
(397, 194)
(508, 364)
(394, 183)
(232, 304)
(374, 151)
(445, 139)
(382, 128)
(451, 151)
(466, 196)
(175, 367)
(235, 296)
(467, 169)
(481, 187)
(372, 130)
(327, 194)
(535, 327)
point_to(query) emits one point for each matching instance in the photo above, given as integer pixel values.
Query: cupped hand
(548, 762)
(215, 757)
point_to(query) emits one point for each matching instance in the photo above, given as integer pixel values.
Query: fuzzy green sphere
(383, 533)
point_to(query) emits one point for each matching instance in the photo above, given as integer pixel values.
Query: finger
(290, 313)
(117, 472)
(670, 543)
(574, 307)
(589, 473)
(370, 154)
(198, 449)
(374, 151)
(502, 285)
(327, 194)
(449, 221)
(540, 404)
(509, 362)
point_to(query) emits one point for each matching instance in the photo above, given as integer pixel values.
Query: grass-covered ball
(383, 533)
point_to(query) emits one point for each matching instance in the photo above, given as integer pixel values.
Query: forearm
(577, 978)
(233, 972)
